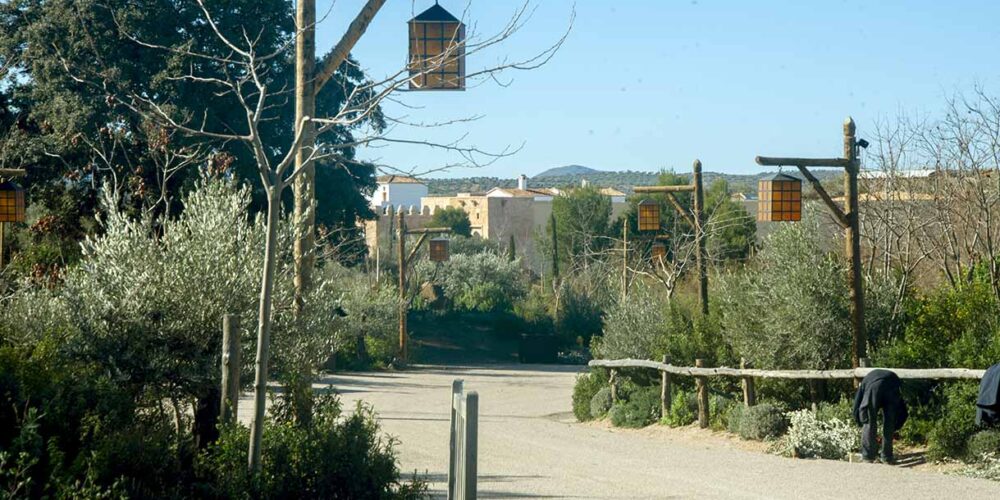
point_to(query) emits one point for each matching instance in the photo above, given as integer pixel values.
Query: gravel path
(531, 447)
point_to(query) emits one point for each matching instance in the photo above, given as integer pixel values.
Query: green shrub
(841, 410)
(683, 409)
(734, 418)
(810, 437)
(763, 421)
(336, 456)
(956, 424)
(587, 385)
(484, 282)
(719, 411)
(641, 409)
(601, 403)
(982, 443)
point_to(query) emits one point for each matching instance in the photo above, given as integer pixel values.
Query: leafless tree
(242, 76)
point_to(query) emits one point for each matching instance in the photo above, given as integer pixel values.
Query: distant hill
(568, 170)
(622, 181)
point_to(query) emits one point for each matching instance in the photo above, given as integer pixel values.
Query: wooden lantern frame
(649, 215)
(11, 202)
(779, 199)
(437, 51)
(439, 249)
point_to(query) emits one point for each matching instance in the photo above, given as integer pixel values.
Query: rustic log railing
(748, 374)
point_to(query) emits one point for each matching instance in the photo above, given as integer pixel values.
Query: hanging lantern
(437, 51)
(439, 249)
(11, 202)
(780, 199)
(649, 215)
(659, 251)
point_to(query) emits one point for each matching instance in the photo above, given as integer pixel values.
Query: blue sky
(650, 84)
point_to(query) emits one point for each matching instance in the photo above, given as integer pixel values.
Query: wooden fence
(747, 374)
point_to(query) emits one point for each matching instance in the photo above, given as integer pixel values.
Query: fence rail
(747, 374)
(904, 373)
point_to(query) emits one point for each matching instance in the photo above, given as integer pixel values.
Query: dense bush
(601, 403)
(683, 409)
(841, 410)
(810, 437)
(587, 385)
(956, 423)
(983, 443)
(483, 282)
(759, 422)
(789, 309)
(640, 409)
(336, 456)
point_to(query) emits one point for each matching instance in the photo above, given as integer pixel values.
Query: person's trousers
(869, 431)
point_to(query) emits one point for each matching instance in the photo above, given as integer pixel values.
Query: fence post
(230, 397)
(749, 392)
(471, 444)
(456, 394)
(702, 384)
(862, 363)
(665, 396)
(614, 385)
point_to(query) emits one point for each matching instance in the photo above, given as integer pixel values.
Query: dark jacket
(988, 403)
(880, 389)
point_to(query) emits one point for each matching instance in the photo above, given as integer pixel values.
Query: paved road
(530, 447)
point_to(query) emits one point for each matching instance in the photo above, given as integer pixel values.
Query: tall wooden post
(699, 232)
(304, 186)
(403, 304)
(701, 383)
(231, 363)
(853, 243)
(624, 260)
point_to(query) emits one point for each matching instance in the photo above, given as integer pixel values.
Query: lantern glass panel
(437, 51)
(649, 216)
(439, 249)
(11, 203)
(780, 199)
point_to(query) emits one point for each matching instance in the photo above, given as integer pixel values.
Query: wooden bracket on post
(680, 210)
(838, 213)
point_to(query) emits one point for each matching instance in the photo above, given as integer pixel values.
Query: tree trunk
(305, 184)
(264, 329)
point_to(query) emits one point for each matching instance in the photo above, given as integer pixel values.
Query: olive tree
(789, 309)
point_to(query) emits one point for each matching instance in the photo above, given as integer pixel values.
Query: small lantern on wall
(11, 202)
(437, 51)
(659, 251)
(439, 249)
(779, 199)
(649, 215)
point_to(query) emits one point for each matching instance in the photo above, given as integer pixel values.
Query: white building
(398, 190)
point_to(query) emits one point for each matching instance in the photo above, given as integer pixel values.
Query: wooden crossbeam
(429, 230)
(664, 189)
(768, 161)
(12, 172)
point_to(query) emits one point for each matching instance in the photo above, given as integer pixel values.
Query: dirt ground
(532, 447)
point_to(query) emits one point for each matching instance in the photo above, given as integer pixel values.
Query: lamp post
(439, 253)
(847, 217)
(649, 220)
